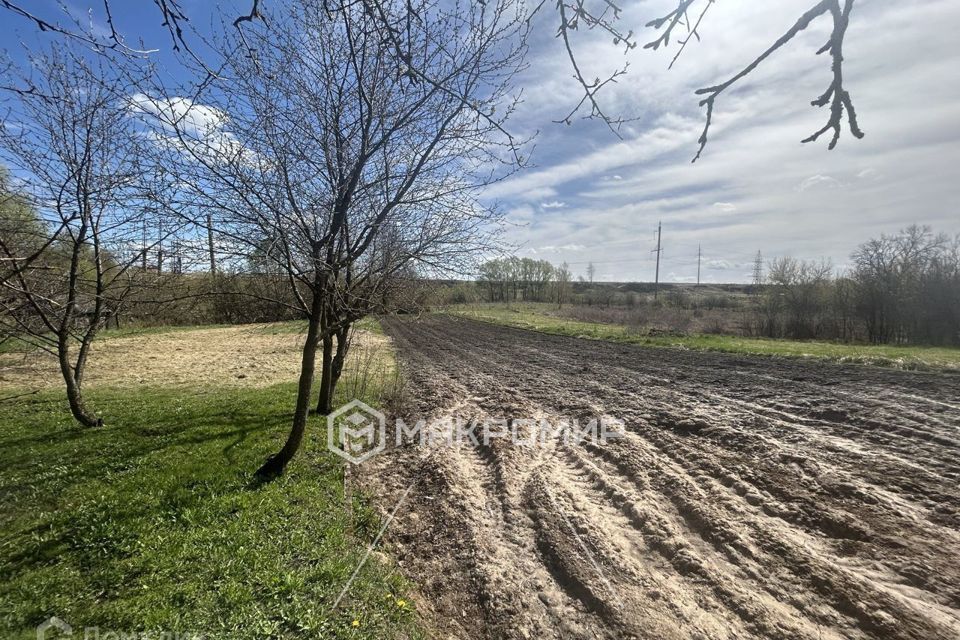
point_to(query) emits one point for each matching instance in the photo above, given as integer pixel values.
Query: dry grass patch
(239, 356)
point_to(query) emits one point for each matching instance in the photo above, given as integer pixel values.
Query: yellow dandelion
(355, 623)
(401, 603)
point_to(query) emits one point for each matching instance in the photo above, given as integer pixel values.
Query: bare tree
(67, 135)
(351, 172)
(563, 279)
(800, 287)
(899, 276)
(506, 278)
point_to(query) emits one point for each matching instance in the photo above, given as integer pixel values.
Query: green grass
(152, 523)
(540, 318)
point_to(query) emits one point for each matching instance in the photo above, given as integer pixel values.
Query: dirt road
(748, 498)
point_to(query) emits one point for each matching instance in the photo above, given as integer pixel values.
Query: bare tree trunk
(324, 401)
(276, 463)
(74, 396)
(332, 368)
(73, 374)
(343, 344)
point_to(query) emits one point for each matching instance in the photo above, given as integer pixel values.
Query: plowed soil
(748, 498)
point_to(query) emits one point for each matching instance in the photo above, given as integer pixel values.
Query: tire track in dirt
(481, 550)
(749, 497)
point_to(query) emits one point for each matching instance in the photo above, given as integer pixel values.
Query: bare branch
(836, 92)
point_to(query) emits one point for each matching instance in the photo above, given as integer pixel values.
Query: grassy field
(152, 523)
(544, 318)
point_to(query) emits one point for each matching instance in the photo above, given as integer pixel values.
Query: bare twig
(840, 97)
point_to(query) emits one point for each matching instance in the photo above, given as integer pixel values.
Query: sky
(756, 188)
(594, 197)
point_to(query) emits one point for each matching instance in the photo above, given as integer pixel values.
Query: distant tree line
(524, 279)
(514, 278)
(901, 288)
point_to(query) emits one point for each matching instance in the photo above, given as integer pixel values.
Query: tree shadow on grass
(54, 534)
(40, 467)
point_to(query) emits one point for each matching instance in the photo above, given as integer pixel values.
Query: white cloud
(553, 249)
(648, 146)
(720, 265)
(553, 205)
(818, 182)
(180, 123)
(756, 187)
(196, 119)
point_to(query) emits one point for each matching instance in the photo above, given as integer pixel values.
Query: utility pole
(160, 248)
(699, 255)
(177, 257)
(213, 258)
(656, 281)
(757, 273)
